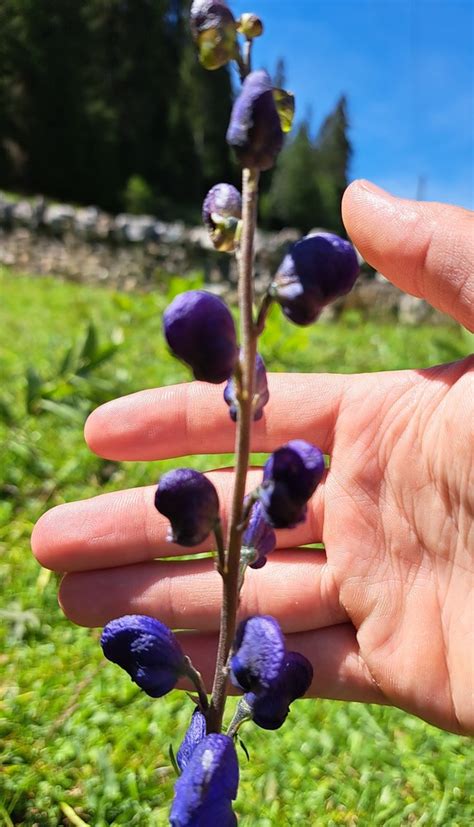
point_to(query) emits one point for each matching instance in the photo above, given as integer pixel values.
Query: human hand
(385, 613)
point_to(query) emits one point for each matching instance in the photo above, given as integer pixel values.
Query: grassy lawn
(79, 744)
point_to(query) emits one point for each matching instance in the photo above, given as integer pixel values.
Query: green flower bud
(221, 213)
(249, 25)
(214, 29)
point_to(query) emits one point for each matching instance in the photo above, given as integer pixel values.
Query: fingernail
(371, 187)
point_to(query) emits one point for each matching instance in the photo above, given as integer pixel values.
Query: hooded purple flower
(194, 735)
(215, 31)
(259, 537)
(261, 393)
(200, 330)
(270, 709)
(191, 504)
(221, 214)
(208, 785)
(290, 477)
(147, 650)
(255, 131)
(317, 270)
(258, 653)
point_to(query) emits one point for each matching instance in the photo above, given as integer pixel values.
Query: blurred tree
(279, 76)
(40, 90)
(311, 176)
(334, 152)
(138, 197)
(294, 198)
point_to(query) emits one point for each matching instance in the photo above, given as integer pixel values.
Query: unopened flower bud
(194, 735)
(147, 650)
(259, 539)
(270, 709)
(317, 270)
(290, 477)
(255, 131)
(249, 25)
(214, 29)
(190, 502)
(261, 393)
(208, 785)
(258, 653)
(200, 330)
(221, 214)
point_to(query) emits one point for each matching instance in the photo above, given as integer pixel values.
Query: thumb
(426, 249)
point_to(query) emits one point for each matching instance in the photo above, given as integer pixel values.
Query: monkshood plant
(200, 330)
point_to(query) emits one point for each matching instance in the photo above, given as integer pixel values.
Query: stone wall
(137, 252)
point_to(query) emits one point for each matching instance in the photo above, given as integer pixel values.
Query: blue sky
(407, 67)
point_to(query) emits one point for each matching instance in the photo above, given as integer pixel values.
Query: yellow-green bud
(214, 29)
(249, 25)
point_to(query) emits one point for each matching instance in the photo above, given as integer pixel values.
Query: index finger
(426, 249)
(192, 418)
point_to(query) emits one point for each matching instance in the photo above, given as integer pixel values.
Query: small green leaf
(285, 106)
(67, 362)
(34, 384)
(89, 348)
(244, 748)
(6, 413)
(62, 410)
(101, 356)
(174, 763)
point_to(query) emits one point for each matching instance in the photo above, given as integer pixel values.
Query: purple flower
(259, 537)
(255, 131)
(280, 509)
(200, 330)
(261, 393)
(147, 650)
(318, 269)
(290, 477)
(270, 709)
(258, 653)
(191, 504)
(208, 785)
(194, 735)
(221, 213)
(214, 29)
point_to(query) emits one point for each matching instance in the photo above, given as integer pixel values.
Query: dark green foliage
(294, 197)
(333, 155)
(311, 176)
(104, 102)
(95, 92)
(73, 387)
(138, 196)
(279, 76)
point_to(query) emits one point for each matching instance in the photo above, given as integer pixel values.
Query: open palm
(386, 610)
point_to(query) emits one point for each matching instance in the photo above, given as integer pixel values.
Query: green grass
(78, 741)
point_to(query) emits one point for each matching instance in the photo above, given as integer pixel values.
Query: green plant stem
(244, 61)
(221, 555)
(230, 578)
(267, 302)
(195, 677)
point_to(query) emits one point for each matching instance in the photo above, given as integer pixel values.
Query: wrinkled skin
(385, 613)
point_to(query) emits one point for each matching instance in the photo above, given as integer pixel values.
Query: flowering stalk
(248, 337)
(200, 330)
